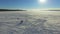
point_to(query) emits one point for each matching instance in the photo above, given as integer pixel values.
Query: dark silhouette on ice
(20, 23)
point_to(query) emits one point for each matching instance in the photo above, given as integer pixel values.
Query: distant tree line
(50, 10)
(11, 10)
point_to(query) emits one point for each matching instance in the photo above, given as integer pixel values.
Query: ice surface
(34, 22)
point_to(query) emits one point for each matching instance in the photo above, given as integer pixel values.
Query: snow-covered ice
(34, 22)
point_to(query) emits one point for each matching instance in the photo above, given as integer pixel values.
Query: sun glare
(42, 1)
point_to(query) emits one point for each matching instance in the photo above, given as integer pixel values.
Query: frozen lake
(34, 22)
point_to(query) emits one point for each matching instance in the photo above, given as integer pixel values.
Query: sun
(42, 1)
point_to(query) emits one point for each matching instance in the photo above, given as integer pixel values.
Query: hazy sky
(29, 4)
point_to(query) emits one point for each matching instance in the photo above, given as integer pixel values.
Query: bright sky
(29, 4)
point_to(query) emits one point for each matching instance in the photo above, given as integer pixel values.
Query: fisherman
(20, 22)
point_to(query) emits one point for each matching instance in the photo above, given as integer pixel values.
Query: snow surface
(34, 22)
